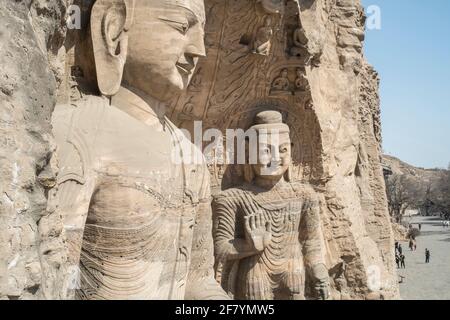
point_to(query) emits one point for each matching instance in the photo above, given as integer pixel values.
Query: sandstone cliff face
(32, 32)
(345, 96)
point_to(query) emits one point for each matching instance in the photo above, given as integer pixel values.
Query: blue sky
(411, 52)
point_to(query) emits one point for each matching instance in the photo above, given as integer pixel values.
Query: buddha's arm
(75, 188)
(201, 284)
(74, 206)
(226, 245)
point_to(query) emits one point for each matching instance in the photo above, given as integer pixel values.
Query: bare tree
(403, 193)
(442, 197)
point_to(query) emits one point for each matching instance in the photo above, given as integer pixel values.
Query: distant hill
(421, 175)
(409, 187)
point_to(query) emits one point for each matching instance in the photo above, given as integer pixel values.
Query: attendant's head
(273, 148)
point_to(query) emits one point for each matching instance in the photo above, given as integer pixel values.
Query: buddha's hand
(258, 232)
(321, 281)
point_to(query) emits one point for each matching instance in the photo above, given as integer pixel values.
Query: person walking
(420, 227)
(411, 244)
(400, 249)
(397, 261)
(427, 255)
(402, 261)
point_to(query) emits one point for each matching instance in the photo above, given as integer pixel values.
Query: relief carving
(299, 43)
(263, 38)
(301, 82)
(281, 85)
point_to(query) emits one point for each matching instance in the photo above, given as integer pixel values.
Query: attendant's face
(274, 157)
(165, 42)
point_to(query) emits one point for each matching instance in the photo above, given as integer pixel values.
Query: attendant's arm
(226, 245)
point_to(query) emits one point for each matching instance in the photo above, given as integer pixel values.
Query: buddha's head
(274, 147)
(149, 45)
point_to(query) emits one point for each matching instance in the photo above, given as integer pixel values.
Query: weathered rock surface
(30, 241)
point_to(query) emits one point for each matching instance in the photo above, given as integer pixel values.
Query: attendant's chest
(283, 215)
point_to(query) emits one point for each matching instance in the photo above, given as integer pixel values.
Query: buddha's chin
(166, 90)
(178, 82)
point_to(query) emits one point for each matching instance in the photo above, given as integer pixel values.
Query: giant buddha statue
(133, 192)
(267, 232)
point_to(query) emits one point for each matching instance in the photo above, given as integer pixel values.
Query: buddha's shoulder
(84, 112)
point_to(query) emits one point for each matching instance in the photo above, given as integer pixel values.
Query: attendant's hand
(258, 232)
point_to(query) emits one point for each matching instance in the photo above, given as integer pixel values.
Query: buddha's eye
(180, 24)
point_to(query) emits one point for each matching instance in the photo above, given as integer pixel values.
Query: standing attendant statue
(267, 233)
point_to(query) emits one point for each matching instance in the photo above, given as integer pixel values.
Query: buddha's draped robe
(138, 224)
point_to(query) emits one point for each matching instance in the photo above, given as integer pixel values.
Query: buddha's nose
(195, 46)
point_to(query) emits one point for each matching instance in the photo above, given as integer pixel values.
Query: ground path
(427, 281)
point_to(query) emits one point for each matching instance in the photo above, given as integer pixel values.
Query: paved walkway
(427, 281)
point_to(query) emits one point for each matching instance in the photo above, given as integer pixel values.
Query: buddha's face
(274, 156)
(165, 42)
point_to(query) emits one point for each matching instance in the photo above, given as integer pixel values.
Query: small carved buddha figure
(301, 83)
(135, 206)
(300, 42)
(267, 233)
(263, 38)
(281, 85)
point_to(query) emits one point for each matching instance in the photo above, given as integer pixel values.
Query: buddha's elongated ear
(110, 22)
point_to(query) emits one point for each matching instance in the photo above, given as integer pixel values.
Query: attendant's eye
(181, 25)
